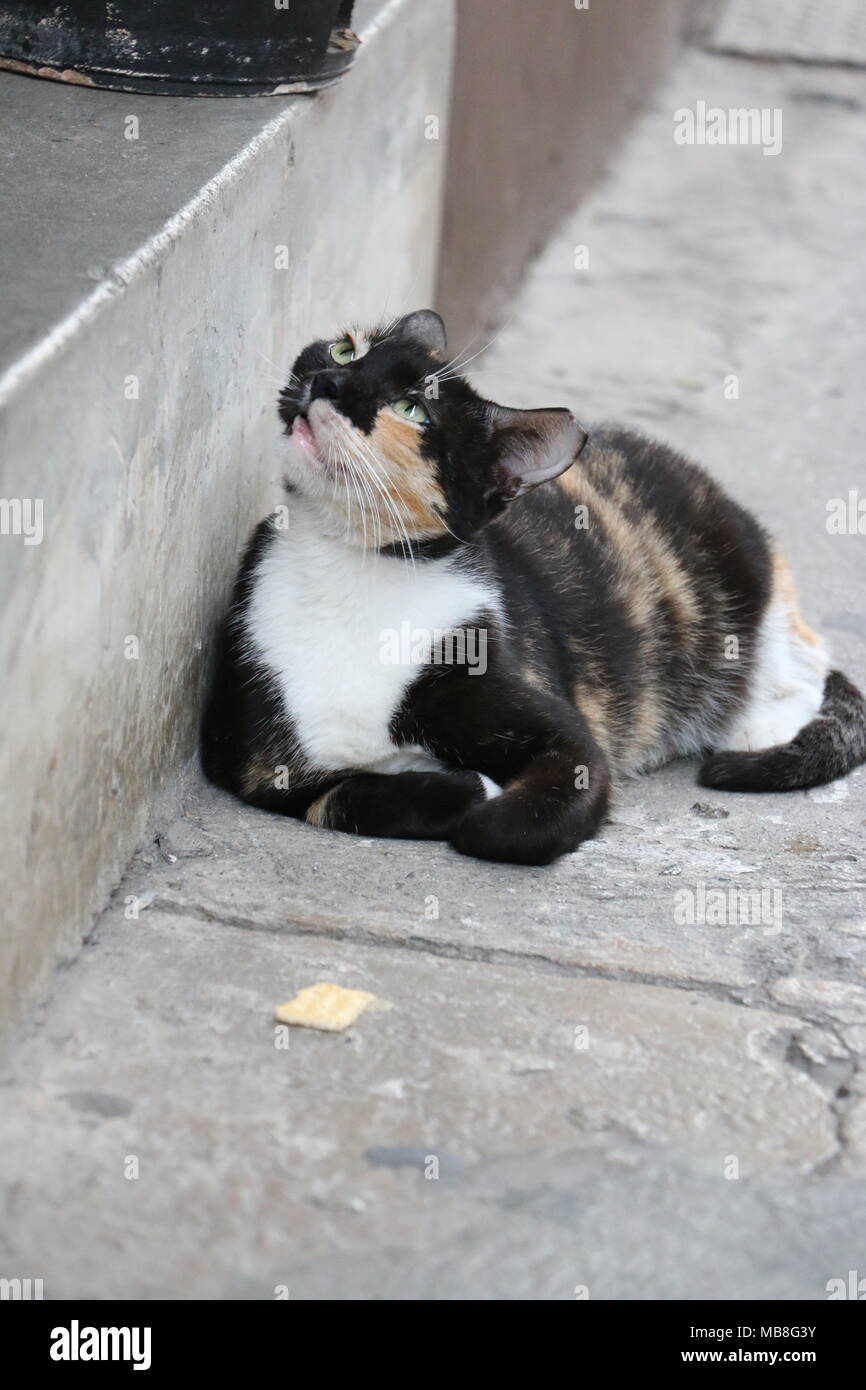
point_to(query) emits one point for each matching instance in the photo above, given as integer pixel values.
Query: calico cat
(476, 619)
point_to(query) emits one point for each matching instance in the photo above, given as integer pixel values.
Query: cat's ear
(425, 328)
(533, 446)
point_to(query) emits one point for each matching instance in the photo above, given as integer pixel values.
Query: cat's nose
(325, 385)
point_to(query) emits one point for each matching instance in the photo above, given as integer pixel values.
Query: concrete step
(200, 243)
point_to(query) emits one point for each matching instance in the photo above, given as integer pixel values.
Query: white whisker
(464, 364)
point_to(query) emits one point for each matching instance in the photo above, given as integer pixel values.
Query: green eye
(343, 352)
(411, 410)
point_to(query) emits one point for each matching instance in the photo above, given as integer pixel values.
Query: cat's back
(631, 508)
(638, 567)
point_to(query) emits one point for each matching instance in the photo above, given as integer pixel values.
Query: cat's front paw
(502, 832)
(402, 805)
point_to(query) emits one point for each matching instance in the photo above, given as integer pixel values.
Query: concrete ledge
(143, 425)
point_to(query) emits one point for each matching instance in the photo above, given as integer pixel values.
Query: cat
(470, 621)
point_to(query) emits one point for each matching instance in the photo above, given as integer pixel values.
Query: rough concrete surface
(580, 1088)
(144, 422)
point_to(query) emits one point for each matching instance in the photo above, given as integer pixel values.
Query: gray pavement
(599, 1079)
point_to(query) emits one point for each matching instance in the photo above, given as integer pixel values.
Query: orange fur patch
(317, 812)
(410, 479)
(650, 576)
(594, 704)
(784, 588)
(649, 566)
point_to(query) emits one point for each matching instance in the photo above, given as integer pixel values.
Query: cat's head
(394, 444)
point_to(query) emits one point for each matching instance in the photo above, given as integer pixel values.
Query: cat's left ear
(533, 446)
(425, 328)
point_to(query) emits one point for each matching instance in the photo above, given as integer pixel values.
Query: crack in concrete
(333, 930)
(835, 1077)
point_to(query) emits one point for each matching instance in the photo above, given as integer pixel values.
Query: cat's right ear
(425, 328)
(531, 447)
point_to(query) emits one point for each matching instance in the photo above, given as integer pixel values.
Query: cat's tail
(827, 747)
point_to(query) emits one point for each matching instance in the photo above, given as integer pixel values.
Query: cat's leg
(555, 778)
(402, 805)
(417, 800)
(803, 724)
(558, 800)
(787, 683)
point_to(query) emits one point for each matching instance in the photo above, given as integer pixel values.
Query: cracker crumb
(325, 1006)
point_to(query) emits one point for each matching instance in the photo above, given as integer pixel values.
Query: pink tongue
(302, 430)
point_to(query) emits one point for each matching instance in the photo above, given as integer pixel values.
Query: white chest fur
(322, 618)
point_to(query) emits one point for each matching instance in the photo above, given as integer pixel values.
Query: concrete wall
(543, 92)
(147, 500)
